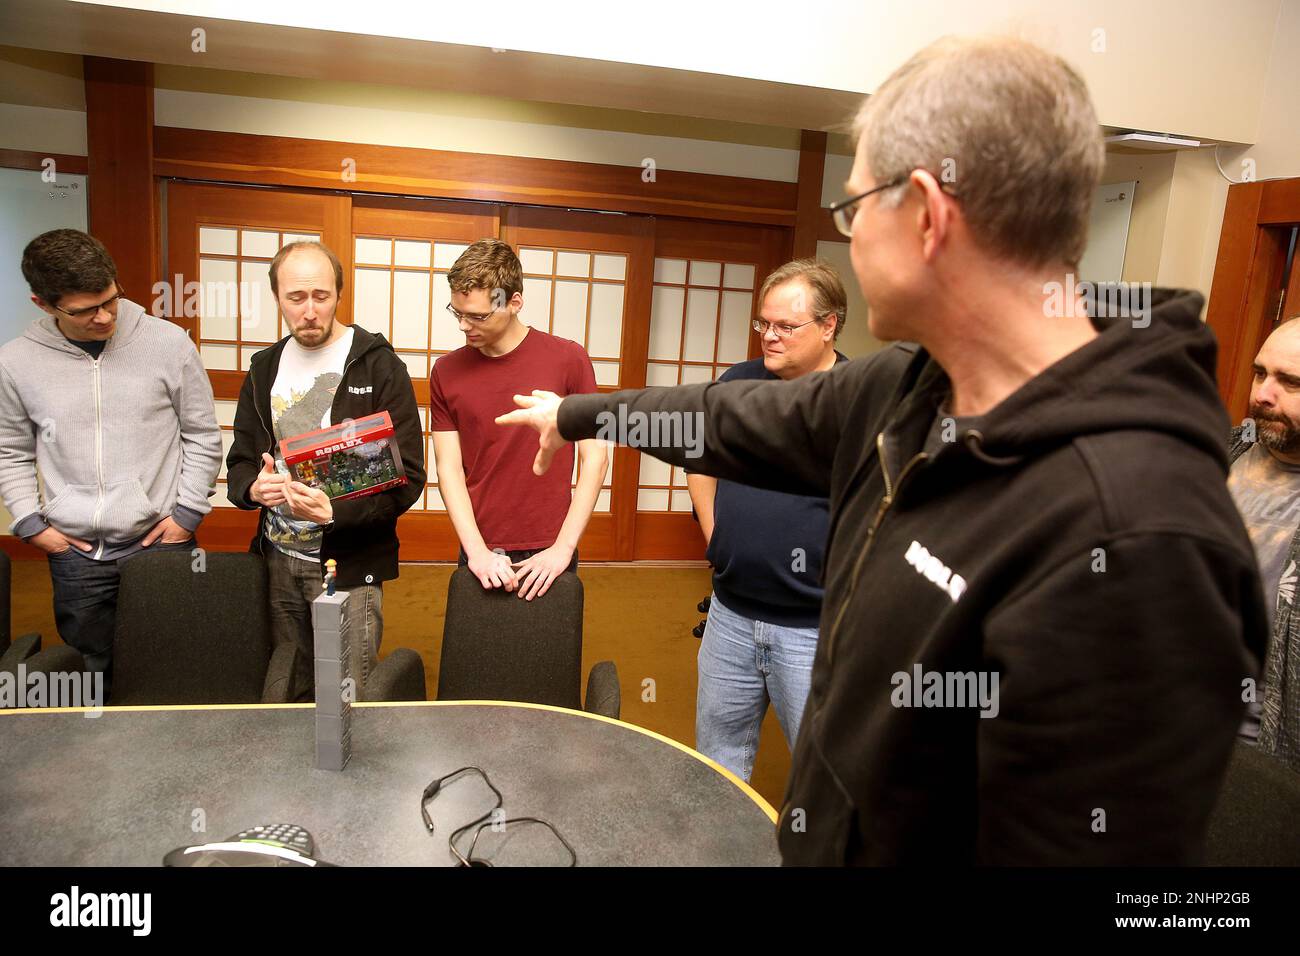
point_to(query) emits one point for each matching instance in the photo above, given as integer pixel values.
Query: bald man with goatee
(1265, 483)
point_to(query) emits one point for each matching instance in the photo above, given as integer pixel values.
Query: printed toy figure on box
(347, 460)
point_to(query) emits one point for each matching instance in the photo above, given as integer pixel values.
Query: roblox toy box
(348, 460)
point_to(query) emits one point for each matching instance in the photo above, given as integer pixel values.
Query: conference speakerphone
(279, 844)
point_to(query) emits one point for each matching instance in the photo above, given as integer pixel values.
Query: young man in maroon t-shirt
(517, 530)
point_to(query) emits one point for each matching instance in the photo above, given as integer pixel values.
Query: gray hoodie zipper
(99, 454)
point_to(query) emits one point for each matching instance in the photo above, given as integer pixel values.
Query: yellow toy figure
(331, 572)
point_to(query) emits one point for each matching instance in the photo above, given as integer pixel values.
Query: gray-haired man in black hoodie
(1041, 603)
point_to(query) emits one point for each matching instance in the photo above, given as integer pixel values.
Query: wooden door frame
(425, 535)
(192, 205)
(676, 535)
(1244, 301)
(311, 211)
(299, 162)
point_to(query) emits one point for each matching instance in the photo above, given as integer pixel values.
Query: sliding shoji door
(654, 302)
(220, 242)
(587, 277)
(706, 278)
(402, 249)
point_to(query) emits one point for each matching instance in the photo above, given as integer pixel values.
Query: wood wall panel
(808, 215)
(288, 161)
(121, 197)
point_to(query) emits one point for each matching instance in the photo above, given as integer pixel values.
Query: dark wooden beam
(122, 200)
(809, 214)
(34, 159)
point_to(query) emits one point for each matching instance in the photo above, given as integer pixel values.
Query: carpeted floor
(638, 616)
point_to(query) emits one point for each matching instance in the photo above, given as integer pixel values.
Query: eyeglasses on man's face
(782, 329)
(109, 305)
(843, 211)
(471, 316)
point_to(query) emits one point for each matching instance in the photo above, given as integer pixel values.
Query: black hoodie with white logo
(363, 537)
(1034, 638)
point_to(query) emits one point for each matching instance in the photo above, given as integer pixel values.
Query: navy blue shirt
(93, 348)
(767, 546)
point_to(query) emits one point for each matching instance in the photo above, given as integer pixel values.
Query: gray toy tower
(329, 617)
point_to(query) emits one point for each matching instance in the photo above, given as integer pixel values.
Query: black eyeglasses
(843, 211)
(109, 304)
(481, 823)
(472, 316)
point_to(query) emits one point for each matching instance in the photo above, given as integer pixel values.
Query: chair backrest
(1254, 823)
(189, 636)
(497, 646)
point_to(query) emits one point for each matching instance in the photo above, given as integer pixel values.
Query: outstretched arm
(771, 434)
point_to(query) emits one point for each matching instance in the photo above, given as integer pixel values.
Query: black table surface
(124, 788)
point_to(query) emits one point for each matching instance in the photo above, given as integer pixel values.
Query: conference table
(127, 786)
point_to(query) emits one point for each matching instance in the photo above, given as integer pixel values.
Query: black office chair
(26, 650)
(1254, 822)
(204, 637)
(12, 652)
(497, 646)
(703, 608)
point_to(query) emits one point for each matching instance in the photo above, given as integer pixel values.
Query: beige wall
(1153, 173)
(1189, 66)
(1275, 154)
(855, 340)
(42, 101)
(42, 106)
(1177, 214)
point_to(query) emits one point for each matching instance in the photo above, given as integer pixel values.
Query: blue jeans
(85, 602)
(744, 663)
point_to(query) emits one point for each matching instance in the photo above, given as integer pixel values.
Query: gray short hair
(1010, 126)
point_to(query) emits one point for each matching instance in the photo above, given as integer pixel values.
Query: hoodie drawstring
(974, 438)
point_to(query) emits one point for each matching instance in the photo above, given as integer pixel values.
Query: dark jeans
(85, 603)
(292, 585)
(517, 556)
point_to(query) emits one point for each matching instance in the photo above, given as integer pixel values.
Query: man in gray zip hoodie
(115, 409)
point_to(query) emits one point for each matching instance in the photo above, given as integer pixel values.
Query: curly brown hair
(487, 264)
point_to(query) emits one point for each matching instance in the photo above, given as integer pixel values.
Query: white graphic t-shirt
(300, 402)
